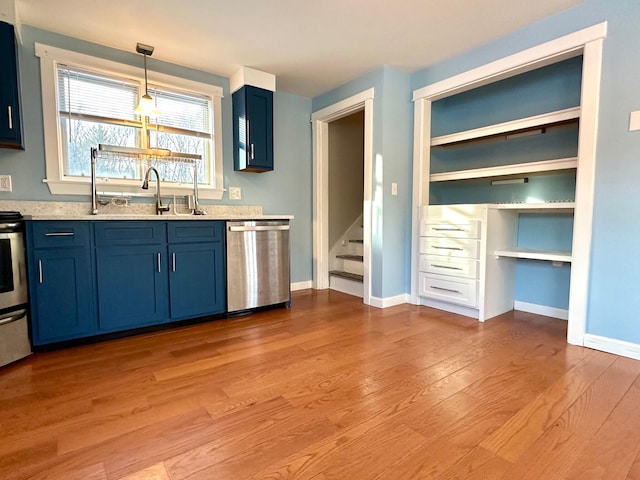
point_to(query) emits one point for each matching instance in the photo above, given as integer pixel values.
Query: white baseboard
(301, 285)
(541, 310)
(450, 307)
(611, 345)
(389, 301)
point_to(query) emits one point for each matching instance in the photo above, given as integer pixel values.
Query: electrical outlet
(235, 193)
(5, 183)
(394, 188)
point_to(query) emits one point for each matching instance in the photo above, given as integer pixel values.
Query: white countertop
(124, 216)
(50, 210)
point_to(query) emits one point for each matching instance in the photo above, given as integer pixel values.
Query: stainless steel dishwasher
(257, 264)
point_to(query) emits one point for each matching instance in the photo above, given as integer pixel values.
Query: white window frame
(61, 184)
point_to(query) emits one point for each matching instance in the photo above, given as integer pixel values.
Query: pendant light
(146, 106)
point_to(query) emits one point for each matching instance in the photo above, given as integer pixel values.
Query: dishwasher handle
(257, 228)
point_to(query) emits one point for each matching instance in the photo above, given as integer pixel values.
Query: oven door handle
(12, 317)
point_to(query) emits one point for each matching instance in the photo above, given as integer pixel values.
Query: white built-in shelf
(536, 206)
(502, 170)
(549, 255)
(513, 126)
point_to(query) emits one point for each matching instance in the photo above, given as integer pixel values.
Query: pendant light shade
(146, 106)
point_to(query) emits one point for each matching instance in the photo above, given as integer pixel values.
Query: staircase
(347, 264)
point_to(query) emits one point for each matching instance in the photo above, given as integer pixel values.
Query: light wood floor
(329, 389)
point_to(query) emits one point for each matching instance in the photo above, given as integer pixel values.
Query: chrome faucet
(145, 186)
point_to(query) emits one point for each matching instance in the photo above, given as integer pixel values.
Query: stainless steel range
(14, 331)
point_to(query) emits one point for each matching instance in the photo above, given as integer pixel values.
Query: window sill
(82, 187)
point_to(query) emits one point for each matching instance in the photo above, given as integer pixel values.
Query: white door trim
(587, 42)
(320, 124)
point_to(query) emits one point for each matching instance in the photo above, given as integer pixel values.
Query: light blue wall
(615, 269)
(542, 283)
(286, 190)
(397, 139)
(392, 137)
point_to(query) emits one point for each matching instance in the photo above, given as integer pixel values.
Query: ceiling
(311, 46)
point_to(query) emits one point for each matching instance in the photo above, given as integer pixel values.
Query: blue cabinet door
(132, 286)
(10, 118)
(62, 294)
(197, 279)
(253, 129)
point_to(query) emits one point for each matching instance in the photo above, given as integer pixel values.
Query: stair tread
(349, 276)
(348, 256)
(356, 241)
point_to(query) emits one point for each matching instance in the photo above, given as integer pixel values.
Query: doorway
(346, 199)
(362, 102)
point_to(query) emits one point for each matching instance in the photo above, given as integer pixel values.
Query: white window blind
(86, 94)
(189, 113)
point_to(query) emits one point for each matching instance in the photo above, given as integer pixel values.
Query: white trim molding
(389, 301)
(560, 313)
(611, 345)
(320, 124)
(295, 286)
(57, 181)
(587, 42)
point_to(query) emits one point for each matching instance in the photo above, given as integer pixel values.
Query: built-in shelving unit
(557, 117)
(537, 206)
(503, 170)
(451, 172)
(499, 248)
(530, 254)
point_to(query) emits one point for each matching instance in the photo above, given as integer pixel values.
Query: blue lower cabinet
(93, 278)
(62, 293)
(196, 279)
(133, 286)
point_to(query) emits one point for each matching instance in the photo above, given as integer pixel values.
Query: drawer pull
(445, 289)
(447, 248)
(59, 234)
(445, 266)
(448, 229)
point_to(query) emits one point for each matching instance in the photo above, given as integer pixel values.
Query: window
(89, 101)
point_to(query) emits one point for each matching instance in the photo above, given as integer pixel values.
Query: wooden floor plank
(593, 407)
(612, 451)
(154, 472)
(328, 389)
(524, 428)
(550, 457)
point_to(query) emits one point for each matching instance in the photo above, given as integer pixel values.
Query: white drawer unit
(442, 228)
(450, 247)
(453, 266)
(449, 289)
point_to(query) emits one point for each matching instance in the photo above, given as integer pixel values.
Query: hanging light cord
(146, 88)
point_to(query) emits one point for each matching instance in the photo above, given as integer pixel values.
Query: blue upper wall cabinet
(10, 119)
(253, 129)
